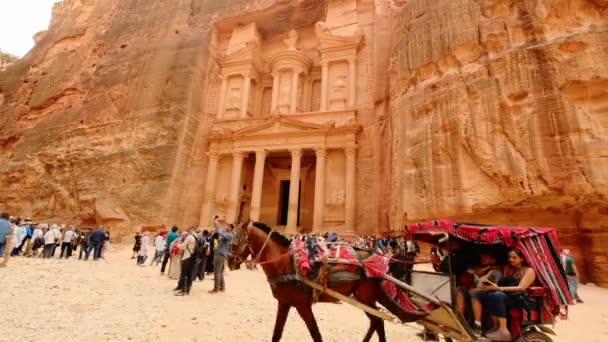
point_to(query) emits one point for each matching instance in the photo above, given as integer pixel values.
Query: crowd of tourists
(24, 237)
(187, 255)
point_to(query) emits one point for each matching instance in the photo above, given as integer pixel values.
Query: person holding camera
(224, 232)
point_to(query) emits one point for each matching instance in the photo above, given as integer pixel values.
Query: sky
(20, 20)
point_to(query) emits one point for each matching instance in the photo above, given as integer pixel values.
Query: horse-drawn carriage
(540, 249)
(299, 276)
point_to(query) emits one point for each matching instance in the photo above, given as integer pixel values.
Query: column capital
(237, 154)
(350, 150)
(296, 152)
(324, 63)
(261, 153)
(321, 151)
(213, 155)
(351, 59)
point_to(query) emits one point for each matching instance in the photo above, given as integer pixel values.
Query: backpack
(200, 247)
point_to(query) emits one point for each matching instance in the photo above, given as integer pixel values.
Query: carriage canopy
(539, 245)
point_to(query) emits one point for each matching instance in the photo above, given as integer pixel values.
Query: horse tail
(405, 310)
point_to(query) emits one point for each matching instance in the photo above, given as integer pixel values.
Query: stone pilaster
(294, 191)
(258, 178)
(319, 205)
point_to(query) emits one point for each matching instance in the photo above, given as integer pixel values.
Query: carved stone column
(294, 91)
(294, 191)
(209, 200)
(350, 193)
(275, 92)
(324, 85)
(237, 167)
(221, 104)
(352, 82)
(258, 178)
(245, 96)
(319, 206)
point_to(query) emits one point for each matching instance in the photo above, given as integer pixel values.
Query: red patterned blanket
(308, 258)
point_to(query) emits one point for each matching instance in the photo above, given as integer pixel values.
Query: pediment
(244, 55)
(278, 125)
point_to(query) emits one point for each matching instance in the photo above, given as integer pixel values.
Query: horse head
(239, 247)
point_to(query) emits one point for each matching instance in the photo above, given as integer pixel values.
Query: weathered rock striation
(499, 115)
(480, 110)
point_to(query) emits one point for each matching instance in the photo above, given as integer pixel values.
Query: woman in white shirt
(143, 251)
(159, 248)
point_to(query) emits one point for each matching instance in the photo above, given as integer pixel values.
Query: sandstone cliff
(498, 115)
(99, 118)
(480, 110)
(6, 60)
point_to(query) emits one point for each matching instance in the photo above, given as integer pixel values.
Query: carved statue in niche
(221, 200)
(338, 93)
(292, 40)
(284, 99)
(234, 100)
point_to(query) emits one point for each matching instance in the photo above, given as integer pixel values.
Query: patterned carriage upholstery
(519, 316)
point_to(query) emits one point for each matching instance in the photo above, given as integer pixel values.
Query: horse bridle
(257, 257)
(244, 234)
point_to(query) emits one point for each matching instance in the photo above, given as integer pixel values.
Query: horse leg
(282, 312)
(367, 293)
(305, 311)
(371, 329)
(380, 330)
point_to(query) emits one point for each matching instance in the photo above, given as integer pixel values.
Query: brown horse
(271, 250)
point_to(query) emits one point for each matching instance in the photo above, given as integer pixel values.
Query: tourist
(18, 237)
(6, 234)
(96, 240)
(201, 265)
(571, 274)
(517, 277)
(38, 238)
(50, 241)
(60, 229)
(29, 244)
(213, 241)
(142, 253)
(159, 248)
(84, 244)
(172, 236)
(477, 276)
(106, 244)
(66, 242)
(136, 245)
(176, 257)
(219, 260)
(187, 263)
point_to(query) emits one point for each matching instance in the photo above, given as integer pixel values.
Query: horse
(271, 250)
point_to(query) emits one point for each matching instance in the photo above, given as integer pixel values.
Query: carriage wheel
(535, 336)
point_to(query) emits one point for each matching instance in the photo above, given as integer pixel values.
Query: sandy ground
(114, 300)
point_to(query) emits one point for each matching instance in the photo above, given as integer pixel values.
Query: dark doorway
(284, 202)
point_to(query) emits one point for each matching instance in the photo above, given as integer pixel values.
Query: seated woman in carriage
(508, 292)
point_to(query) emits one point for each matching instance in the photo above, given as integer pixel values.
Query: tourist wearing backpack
(201, 265)
(187, 263)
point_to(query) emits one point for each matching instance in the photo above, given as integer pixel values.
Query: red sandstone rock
(489, 111)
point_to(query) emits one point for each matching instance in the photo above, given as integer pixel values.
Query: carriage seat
(520, 316)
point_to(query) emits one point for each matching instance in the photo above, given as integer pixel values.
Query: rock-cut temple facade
(283, 143)
(347, 116)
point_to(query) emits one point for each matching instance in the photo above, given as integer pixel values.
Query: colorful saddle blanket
(309, 256)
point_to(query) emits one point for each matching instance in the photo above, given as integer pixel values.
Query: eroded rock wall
(499, 113)
(97, 119)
